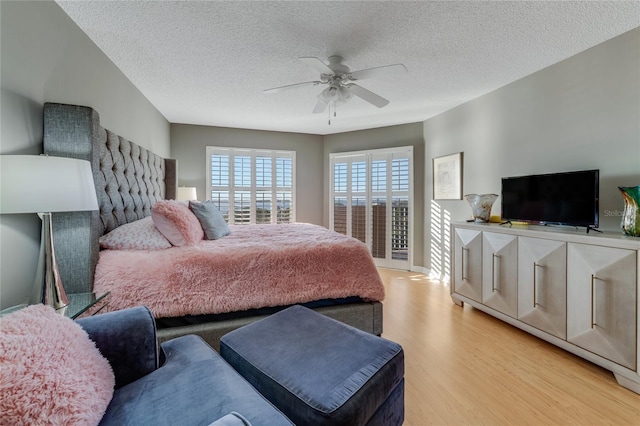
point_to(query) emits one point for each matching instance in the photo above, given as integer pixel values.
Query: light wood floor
(464, 367)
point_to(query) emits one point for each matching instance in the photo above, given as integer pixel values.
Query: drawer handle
(493, 273)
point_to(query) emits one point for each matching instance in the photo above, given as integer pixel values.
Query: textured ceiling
(207, 62)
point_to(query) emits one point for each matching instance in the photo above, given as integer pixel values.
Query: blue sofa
(183, 381)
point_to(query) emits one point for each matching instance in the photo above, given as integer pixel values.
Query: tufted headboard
(129, 180)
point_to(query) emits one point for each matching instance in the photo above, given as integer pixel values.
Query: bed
(129, 181)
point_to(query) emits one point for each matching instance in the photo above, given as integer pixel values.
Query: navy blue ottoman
(319, 371)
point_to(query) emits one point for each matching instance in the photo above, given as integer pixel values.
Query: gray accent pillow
(211, 219)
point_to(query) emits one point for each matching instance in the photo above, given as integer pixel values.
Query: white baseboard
(444, 278)
(420, 269)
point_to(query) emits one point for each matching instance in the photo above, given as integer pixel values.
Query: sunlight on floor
(395, 275)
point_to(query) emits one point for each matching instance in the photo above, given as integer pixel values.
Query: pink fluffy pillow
(50, 371)
(177, 223)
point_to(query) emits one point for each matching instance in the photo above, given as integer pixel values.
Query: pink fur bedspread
(256, 266)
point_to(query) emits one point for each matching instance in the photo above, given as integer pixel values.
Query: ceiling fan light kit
(341, 83)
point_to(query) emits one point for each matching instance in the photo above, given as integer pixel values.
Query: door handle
(493, 272)
(464, 250)
(594, 302)
(535, 284)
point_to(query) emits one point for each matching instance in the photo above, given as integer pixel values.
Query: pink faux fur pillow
(51, 373)
(177, 223)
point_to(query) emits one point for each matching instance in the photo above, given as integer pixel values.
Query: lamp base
(48, 288)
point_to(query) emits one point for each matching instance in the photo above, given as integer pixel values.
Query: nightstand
(86, 304)
(11, 309)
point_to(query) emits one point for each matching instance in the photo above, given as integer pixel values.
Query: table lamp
(46, 184)
(187, 193)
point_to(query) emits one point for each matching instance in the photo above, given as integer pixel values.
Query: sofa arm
(127, 339)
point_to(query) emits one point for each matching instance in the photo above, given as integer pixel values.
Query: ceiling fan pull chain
(329, 109)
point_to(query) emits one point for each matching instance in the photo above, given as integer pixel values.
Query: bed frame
(129, 180)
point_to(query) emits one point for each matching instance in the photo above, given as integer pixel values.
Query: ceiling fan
(340, 81)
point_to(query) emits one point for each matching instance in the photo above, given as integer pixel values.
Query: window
(252, 186)
(370, 194)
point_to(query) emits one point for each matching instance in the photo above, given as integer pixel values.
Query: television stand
(573, 290)
(591, 228)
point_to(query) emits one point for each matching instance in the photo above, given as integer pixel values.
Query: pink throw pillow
(177, 223)
(51, 373)
(139, 235)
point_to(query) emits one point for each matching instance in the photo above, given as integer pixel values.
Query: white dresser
(576, 290)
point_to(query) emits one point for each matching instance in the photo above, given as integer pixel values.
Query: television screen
(569, 198)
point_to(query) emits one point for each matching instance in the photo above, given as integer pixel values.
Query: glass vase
(481, 205)
(630, 224)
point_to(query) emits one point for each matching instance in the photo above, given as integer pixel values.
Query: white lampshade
(187, 193)
(44, 184)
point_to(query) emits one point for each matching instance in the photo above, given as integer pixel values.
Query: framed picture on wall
(447, 177)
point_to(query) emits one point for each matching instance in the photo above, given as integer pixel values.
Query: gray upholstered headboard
(129, 180)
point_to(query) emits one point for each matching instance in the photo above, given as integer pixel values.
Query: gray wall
(385, 137)
(188, 146)
(582, 113)
(47, 58)
(189, 142)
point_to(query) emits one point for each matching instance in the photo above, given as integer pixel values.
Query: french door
(371, 201)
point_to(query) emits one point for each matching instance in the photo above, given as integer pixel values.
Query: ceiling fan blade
(367, 95)
(321, 105)
(379, 72)
(317, 65)
(290, 86)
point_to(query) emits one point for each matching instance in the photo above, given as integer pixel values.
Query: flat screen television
(570, 198)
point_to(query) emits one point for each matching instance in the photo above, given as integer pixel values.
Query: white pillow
(139, 235)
